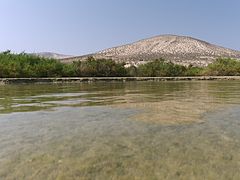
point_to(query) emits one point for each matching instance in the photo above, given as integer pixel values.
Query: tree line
(25, 66)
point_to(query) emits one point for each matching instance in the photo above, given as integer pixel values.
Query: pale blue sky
(82, 26)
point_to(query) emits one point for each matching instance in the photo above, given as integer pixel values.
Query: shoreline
(4, 81)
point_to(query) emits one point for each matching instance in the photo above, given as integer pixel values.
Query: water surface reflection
(137, 130)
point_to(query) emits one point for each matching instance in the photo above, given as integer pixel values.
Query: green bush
(193, 71)
(132, 71)
(25, 65)
(223, 67)
(99, 68)
(160, 68)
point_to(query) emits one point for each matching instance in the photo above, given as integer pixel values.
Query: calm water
(144, 130)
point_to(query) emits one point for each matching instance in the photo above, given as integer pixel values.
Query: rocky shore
(4, 81)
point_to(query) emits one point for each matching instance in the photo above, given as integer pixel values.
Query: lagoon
(121, 130)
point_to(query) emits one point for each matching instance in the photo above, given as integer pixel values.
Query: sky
(77, 27)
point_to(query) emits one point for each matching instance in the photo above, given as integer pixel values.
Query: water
(135, 130)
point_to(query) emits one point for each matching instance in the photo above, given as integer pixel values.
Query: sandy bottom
(174, 130)
(170, 111)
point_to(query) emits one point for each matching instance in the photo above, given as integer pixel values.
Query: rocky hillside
(177, 49)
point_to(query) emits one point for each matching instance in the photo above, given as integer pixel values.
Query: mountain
(51, 55)
(177, 49)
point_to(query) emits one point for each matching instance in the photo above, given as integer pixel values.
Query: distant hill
(51, 55)
(177, 49)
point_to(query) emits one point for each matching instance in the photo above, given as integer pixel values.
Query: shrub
(194, 71)
(223, 67)
(99, 68)
(160, 68)
(25, 65)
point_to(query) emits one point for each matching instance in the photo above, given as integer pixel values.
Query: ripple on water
(131, 131)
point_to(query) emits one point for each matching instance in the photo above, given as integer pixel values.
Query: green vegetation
(99, 68)
(24, 65)
(223, 67)
(161, 68)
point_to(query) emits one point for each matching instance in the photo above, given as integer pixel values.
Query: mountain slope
(177, 49)
(51, 55)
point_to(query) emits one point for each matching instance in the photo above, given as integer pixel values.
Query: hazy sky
(82, 26)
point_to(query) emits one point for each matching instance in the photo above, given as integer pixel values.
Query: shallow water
(135, 130)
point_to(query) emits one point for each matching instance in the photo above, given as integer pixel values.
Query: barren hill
(177, 49)
(52, 55)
